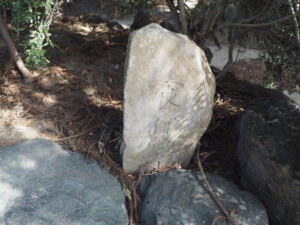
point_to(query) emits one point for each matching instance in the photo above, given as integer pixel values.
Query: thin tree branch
(296, 23)
(51, 15)
(227, 215)
(259, 24)
(182, 17)
(174, 13)
(74, 136)
(229, 63)
(210, 19)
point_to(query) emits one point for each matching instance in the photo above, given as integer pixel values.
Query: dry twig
(130, 182)
(76, 135)
(216, 219)
(207, 185)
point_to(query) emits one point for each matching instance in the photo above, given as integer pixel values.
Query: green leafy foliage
(278, 42)
(31, 19)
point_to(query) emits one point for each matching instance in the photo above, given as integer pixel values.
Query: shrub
(31, 20)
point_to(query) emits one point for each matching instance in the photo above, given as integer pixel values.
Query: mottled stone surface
(168, 97)
(40, 183)
(178, 197)
(269, 157)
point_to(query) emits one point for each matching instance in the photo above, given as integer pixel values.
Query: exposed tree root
(14, 54)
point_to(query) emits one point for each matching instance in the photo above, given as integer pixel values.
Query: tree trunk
(210, 20)
(13, 51)
(296, 24)
(174, 13)
(182, 17)
(229, 63)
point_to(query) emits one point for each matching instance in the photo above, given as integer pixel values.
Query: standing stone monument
(168, 99)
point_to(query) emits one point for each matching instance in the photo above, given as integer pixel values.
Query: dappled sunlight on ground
(76, 96)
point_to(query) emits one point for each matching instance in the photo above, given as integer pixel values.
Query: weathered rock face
(40, 183)
(179, 197)
(269, 157)
(168, 96)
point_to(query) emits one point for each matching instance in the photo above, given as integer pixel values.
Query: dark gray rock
(40, 183)
(179, 197)
(269, 157)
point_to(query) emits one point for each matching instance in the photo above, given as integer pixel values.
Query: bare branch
(229, 63)
(210, 19)
(207, 185)
(259, 24)
(296, 23)
(55, 10)
(174, 13)
(182, 17)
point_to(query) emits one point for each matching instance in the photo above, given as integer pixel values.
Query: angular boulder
(168, 99)
(179, 197)
(269, 157)
(40, 183)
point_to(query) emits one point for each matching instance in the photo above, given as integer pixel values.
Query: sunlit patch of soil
(77, 98)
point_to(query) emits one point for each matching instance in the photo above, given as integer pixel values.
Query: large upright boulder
(40, 183)
(269, 157)
(169, 94)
